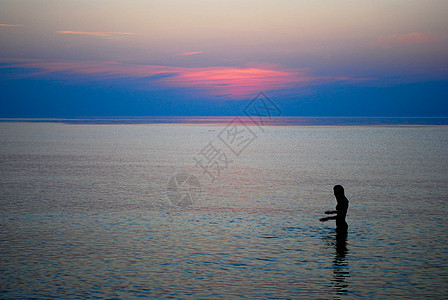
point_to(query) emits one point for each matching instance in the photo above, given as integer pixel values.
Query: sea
(225, 209)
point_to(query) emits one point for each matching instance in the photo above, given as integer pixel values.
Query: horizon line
(241, 120)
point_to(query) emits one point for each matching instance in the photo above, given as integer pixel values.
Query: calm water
(84, 212)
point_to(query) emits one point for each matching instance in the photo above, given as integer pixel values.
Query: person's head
(338, 190)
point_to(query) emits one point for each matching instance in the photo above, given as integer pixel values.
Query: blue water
(85, 212)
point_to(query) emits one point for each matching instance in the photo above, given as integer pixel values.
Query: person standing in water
(341, 210)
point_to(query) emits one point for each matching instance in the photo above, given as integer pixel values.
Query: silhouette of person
(341, 211)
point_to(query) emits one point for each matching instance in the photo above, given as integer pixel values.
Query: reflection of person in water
(341, 210)
(341, 271)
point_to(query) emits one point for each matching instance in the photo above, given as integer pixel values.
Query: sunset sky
(61, 58)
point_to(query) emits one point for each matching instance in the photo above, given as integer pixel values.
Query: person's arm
(329, 212)
(328, 218)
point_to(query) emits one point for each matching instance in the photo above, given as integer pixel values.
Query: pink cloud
(10, 25)
(408, 39)
(190, 53)
(238, 81)
(217, 81)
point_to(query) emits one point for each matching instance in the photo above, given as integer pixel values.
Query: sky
(67, 58)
